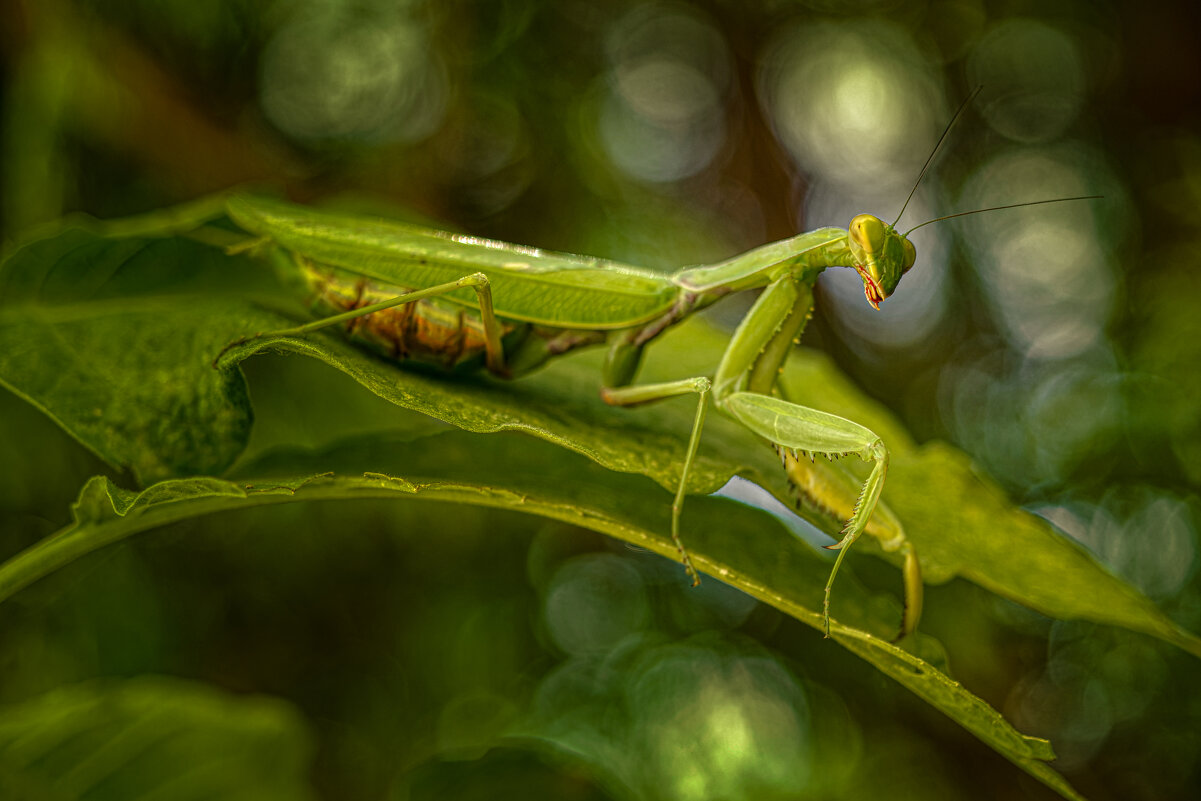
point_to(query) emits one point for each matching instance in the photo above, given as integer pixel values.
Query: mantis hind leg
(494, 352)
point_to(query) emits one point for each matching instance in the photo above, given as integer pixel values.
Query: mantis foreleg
(747, 375)
(798, 430)
(741, 388)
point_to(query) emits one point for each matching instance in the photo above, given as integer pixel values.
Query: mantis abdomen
(427, 331)
(432, 330)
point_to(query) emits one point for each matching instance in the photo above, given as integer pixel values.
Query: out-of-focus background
(1059, 345)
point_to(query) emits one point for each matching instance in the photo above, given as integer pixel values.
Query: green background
(413, 640)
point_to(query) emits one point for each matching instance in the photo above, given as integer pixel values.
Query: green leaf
(152, 737)
(743, 546)
(146, 318)
(960, 524)
(109, 337)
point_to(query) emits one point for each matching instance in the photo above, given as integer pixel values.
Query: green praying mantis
(461, 301)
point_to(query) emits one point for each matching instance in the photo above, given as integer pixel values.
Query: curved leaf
(137, 323)
(743, 546)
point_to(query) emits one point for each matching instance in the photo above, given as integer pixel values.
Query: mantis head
(881, 255)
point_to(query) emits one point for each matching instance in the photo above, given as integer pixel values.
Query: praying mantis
(460, 301)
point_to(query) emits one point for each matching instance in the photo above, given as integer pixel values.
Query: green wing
(528, 284)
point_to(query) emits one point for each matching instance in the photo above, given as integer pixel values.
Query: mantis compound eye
(868, 232)
(910, 255)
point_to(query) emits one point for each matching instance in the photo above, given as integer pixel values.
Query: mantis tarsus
(455, 300)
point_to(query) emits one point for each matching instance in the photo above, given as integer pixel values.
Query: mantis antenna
(998, 208)
(934, 152)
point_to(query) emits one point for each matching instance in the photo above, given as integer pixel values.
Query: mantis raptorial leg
(745, 376)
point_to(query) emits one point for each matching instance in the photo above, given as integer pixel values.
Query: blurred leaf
(1164, 356)
(745, 547)
(971, 530)
(527, 771)
(152, 737)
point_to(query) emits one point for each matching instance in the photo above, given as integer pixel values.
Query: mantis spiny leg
(801, 430)
(746, 377)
